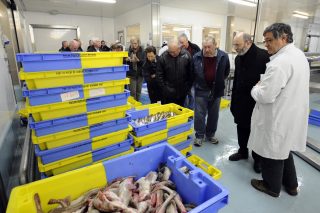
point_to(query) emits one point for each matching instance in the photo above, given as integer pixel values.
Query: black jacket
(222, 71)
(194, 48)
(92, 49)
(149, 68)
(247, 74)
(141, 56)
(174, 74)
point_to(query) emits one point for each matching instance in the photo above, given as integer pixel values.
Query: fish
(172, 207)
(63, 202)
(38, 203)
(153, 118)
(164, 205)
(125, 190)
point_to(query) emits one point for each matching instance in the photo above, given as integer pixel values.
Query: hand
(153, 76)
(258, 82)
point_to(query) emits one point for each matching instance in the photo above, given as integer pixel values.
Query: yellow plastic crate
(180, 137)
(133, 102)
(72, 136)
(182, 114)
(186, 150)
(102, 59)
(74, 162)
(224, 103)
(206, 167)
(151, 138)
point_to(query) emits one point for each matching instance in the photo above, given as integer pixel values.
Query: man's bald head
(242, 43)
(174, 48)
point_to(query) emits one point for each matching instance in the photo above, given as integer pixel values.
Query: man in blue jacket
(211, 68)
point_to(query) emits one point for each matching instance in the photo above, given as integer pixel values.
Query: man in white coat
(280, 118)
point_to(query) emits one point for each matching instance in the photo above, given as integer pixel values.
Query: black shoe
(292, 192)
(257, 167)
(237, 156)
(259, 185)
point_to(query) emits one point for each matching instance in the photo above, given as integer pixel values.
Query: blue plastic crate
(315, 113)
(34, 62)
(49, 156)
(184, 144)
(313, 121)
(180, 128)
(154, 144)
(42, 128)
(148, 128)
(196, 187)
(105, 74)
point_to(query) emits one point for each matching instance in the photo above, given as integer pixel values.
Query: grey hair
(247, 37)
(183, 35)
(135, 39)
(278, 30)
(209, 39)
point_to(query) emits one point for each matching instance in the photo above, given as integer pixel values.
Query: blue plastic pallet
(52, 61)
(93, 75)
(195, 187)
(145, 129)
(180, 128)
(49, 156)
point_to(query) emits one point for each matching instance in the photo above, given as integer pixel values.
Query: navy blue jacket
(222, 71)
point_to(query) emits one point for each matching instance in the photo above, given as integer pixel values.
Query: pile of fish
(153, 118)
(154, 193)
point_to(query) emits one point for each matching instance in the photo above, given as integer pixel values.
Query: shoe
(259, 185)
(198, 142)
(213, 140)
(257, 167)
(237, 156)
(292, 192)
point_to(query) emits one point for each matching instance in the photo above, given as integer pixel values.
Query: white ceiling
(278, 9)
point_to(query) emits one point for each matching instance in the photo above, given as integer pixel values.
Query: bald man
(174, 74)
(249, 64)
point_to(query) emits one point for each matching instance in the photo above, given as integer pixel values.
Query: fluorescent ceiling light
(105, 1)
(299, 14)
(250, 3)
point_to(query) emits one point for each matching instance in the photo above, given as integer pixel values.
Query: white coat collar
(282, 50)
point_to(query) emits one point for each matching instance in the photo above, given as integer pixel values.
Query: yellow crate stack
(89, 123)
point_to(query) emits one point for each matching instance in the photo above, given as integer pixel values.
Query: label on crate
(70, 96)
(96, 92)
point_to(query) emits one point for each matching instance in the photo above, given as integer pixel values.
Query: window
(172, 31)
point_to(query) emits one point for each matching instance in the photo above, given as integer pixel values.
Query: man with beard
(249, 64)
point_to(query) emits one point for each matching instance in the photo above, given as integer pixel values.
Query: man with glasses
(280, 118)
(249, 64)
(174, 74)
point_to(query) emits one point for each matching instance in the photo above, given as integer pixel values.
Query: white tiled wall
(90, 26)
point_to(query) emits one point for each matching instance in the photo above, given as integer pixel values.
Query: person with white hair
(73, 46)
(174, 74)
(96, 46)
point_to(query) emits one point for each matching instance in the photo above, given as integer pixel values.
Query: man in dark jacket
(192, 49)
(64, 46)
(96, 47)
(174, 74)
(135, 61)
(211, 68)
(249, 64)
(104, 46)
(149, 70)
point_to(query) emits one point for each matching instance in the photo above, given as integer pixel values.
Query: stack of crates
(77, 104)
(176, 130)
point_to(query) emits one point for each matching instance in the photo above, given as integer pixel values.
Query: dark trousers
(153, 91)
(243, 132)
(278, 172)
(180, 101)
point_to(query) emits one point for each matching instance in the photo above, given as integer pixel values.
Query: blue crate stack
(75, 140)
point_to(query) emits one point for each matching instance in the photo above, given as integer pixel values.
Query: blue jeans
(189, 102)
(209, 107)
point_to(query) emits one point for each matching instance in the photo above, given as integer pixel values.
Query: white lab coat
(279, 120)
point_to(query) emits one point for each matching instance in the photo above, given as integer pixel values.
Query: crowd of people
(95, 45)
(270, 94)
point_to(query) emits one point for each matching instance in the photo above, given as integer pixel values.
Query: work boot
(292, 192)
(238, 156)
(213, 140)
(259, 185)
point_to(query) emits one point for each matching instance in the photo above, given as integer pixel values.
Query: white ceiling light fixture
(299, 14)
(105, 1)
(249, 3)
